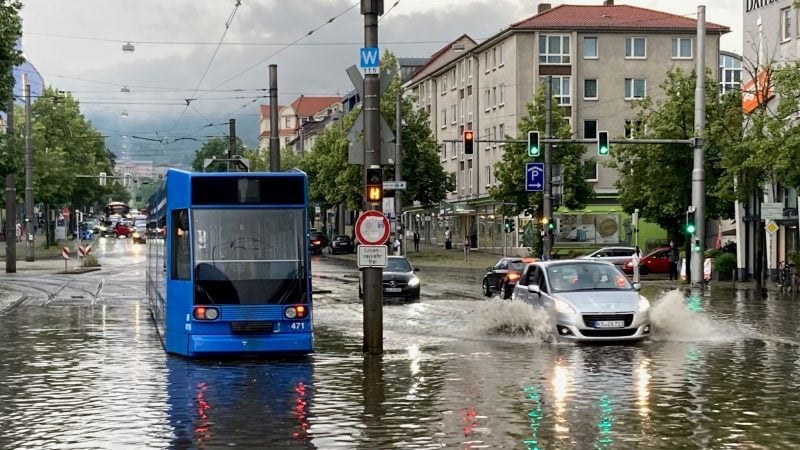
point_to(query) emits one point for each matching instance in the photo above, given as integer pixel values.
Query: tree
(656, 178)
(218, 148)
(510, 171)
(10, 55)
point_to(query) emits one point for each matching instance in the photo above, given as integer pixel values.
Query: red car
(657, 261)
(123, 230)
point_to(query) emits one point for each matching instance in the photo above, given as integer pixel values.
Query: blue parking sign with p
(369, 60)
(534, 177)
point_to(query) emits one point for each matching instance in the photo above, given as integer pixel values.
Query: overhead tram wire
(210, 62)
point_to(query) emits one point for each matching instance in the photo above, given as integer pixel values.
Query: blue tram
(228, 271)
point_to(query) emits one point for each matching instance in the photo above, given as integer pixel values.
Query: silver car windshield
(249, 256)
(582, 276)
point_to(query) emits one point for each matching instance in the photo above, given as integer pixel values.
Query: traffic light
(551, 226)
(602, 143)
(690, 220)
(511, 225)
(374, 185)
(533, 144)
(102, 178)
(469, 140)
(507, 225)
(696, 246)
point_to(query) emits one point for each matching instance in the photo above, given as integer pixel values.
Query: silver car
(617, 255)
(587, 300)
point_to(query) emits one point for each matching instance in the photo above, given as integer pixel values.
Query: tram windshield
(249, 256)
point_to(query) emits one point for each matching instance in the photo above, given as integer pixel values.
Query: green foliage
(724, 263)
(510, 172)
(11, 27)
(218, 148)
(656, 179)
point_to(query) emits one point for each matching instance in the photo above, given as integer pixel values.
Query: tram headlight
(295, 312)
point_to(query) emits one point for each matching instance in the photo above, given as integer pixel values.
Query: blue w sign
(370, 60)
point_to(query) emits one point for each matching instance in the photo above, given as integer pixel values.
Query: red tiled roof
(612, 18)
(308, 106)
(266, 111)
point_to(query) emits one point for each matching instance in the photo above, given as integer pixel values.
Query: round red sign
(372, 228)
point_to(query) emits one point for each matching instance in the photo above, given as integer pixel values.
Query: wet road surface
(81, 367)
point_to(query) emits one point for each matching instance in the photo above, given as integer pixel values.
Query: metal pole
(698, 172)
(373, 276)
(11, 196)
(398, 174)
(274, 143)
(28, 179)
(231, 142)
(548, 148)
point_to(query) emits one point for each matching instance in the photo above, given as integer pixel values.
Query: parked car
(317, 241)
(503, 275)
(123, 229)
(615, 255)
(341, 244)
(657, 261)
(586, 300)
(399, 279)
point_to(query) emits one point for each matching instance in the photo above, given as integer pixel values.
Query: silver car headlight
(563, 307)
(644, 304)
(413, 282)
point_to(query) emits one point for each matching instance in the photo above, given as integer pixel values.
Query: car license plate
(609, 323)
(395, 289)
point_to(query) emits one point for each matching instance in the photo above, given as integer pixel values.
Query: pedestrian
(448, 244)
(19, 231)
(672, 258)
(396, 244)
(466, 248)
(416, 241)
(636, 260)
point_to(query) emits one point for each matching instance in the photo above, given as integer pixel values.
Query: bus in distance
(230, 273)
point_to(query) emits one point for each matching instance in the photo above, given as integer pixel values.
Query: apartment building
(291, 118)
(601, 58)
(771, 31)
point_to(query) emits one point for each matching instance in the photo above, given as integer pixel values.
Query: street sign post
(372, 228)
(534, 177)
(372, 255)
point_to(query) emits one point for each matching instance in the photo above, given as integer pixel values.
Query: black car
(341, 244)
(502, 277)
(399, 279)
(317, 241)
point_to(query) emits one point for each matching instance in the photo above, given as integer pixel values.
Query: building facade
(291, 119)
(600, 59)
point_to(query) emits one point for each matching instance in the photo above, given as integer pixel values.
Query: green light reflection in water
(535, 415)
(604, 440)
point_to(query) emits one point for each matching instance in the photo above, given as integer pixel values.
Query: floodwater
(721, 371)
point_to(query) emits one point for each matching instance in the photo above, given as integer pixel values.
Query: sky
(216, 55)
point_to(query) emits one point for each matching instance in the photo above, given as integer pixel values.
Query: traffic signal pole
(698, 172)
(372, 276)
(548, 170)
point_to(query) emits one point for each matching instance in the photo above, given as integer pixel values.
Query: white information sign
(371, 256)
(772, 210)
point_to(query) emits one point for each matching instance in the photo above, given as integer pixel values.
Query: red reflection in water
(468, 419)
(201, 429)
(300, 412)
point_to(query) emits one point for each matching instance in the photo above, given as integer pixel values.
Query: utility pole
(11, 195)
(231, 142)
(698, 172)
(398, 174)
(28, 178)
(373, 276)
(548, 149)
(274, 143)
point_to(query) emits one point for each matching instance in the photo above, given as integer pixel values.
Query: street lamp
(128, 47)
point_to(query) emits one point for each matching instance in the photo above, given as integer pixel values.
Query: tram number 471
(298, 325)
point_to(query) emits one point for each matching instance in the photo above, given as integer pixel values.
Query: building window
(730, 74)
(501, 133)
(681, 48)
(786, 24)
(494, 136)
(469, 70)
(590, 89)
(500, 60)
(488, 100)
(634, 129)
(470, 176)
(494, 97)
(502, 94)
(287, 122)
(494, 58)
(590, 170)
(590, 48)
(486, 62)
(554, 49)
(444, 118)
(560, 89)
(635, 47)
(453, 114)
(590, 129)
(443, 146)
(487, 175)
(635, 88)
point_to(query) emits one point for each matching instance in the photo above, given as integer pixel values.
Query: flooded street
(88, 371)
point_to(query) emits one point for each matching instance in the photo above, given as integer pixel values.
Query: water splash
(511, 318)
(674, 320)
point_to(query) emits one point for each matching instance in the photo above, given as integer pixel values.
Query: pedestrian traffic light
(533, 144)
(602, 143)
(374, 184)
(690, 220)
(696, 246)
(469, 140)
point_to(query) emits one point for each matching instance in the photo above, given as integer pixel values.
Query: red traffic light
(469, 139)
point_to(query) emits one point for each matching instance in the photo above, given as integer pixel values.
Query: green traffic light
(690, 228)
